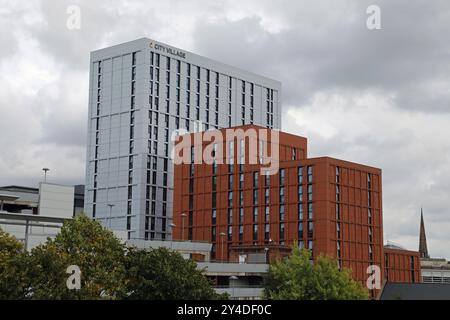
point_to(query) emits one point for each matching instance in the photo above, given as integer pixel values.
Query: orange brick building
(401, 265)
(330, 206)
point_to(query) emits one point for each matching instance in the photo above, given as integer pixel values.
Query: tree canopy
(14, 280)
(298, 278)
(170, 277)
(109, 270)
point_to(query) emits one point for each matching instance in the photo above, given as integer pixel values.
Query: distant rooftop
(19, 189)
(415, 291)
(395, 246)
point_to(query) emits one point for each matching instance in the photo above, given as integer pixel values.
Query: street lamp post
(222, 236)
(110, 205)
(183, 215)
(45, 173)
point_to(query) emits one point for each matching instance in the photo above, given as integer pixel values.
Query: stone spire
(423, 250)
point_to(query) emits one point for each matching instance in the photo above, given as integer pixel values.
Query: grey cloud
(345, 55)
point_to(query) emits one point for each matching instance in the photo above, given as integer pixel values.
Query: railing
(240, 286)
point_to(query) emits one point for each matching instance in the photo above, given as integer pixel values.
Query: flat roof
(415, 291)
(20, 188)
(190, 57)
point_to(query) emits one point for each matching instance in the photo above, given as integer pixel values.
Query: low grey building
(33, 214)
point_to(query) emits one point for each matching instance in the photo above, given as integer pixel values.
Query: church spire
(423, 250)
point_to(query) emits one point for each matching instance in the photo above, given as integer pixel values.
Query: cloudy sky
(380, 97)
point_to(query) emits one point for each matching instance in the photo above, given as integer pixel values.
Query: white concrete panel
(56, 200)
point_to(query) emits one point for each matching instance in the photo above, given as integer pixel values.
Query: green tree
(108, 269)
(162, 274)
(297, 278)
(85, 243)
(14, 279)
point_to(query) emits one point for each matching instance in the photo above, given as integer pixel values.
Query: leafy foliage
(170, 277)
(84, 243)
(14, 280)
(109, 270)
(297, 278)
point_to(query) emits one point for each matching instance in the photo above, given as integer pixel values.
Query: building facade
(401, 265)
(140, 93)
(435, 270)
(330, 206)
(34, 214)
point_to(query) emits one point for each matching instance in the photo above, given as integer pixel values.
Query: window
(300, 193)
(310, 193)
(300, 211)
(266, 195)
(282, 177)
(300, 175)
(310, 174)
(282, 212)
(281, 230)
(300, 230)
(213, 216)
(214, 183)
(130, 192)
(230, 216)
(255, 232)
(213, 234)
(281, 194)
(266, 214)
(310, 211)
(214, 199)
(255, 179)
(230, 181)
(255, 196)
(338, 172)
(310, 229)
